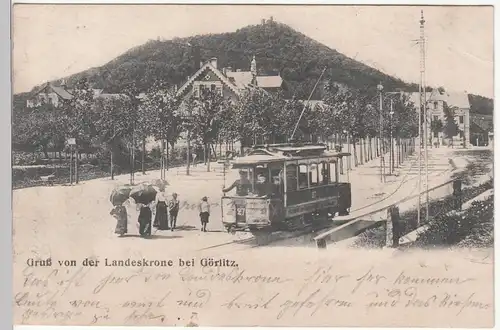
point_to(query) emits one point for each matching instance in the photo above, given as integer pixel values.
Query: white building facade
(460, 105)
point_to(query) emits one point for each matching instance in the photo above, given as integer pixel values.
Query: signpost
(72, 143)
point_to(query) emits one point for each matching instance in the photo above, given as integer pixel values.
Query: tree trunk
(76, 166)
(355, 153)
(111, 163)
(45, 152)
(241, 147)
(162, 159)
(143, 158)
(207, 148)
(165, 157)
(360, 151)
(214, 150)
(366, 143)
(204, 154)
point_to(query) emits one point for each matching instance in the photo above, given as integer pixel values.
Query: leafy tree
(158, 116)
(436, 126)
(39, 128)
(113, 122)
(405, 118)
(352, 111)
(450, 128)
(207, 111)
(257, 116)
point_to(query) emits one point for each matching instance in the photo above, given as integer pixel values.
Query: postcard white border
(5, 137)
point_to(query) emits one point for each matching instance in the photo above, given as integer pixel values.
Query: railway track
(280, 236)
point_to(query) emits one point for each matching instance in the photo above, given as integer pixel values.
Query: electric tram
(290, 186)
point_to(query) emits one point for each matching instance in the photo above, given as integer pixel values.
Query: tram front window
(262, 182)
(244, 184)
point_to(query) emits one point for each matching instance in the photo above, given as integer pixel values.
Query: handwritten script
(174, 295)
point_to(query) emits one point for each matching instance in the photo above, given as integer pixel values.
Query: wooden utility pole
(381, 124)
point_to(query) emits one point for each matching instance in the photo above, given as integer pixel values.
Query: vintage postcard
(253, 165)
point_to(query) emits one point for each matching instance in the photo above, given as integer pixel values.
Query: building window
(436, 118)
(461, 134)
(461, 119)
(436, 134)
(212, 87)
(435, 105)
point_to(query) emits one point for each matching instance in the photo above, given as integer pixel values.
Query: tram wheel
(344, 212)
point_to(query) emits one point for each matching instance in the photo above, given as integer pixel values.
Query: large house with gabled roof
(227, 82)
(50, 93)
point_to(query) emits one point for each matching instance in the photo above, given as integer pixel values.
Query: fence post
(321, 243)
(457, 194)
(393, 231)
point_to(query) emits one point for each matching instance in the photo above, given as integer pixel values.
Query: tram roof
(264, 154)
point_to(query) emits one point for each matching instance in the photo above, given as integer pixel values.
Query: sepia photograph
(252, 165)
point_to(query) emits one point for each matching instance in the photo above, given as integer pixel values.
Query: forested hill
(277, 47)
(480, 104)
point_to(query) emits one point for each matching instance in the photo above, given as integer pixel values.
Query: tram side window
(276, 180)
(333, 172)
(291, 178)
(323, 173)
(303, 176)
(313, 174)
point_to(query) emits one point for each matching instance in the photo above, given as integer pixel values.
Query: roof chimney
(213, 61)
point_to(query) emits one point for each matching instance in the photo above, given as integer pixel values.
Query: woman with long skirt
(161, 218)
(119, 212)
(145, 216)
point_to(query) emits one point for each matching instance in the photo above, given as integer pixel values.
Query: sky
(54, 41)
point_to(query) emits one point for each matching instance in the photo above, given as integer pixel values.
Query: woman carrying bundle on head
(119, 212)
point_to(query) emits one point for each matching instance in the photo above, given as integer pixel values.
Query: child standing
(173, 209)
(204, 209)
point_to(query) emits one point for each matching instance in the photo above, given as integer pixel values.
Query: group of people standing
(165, 210)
